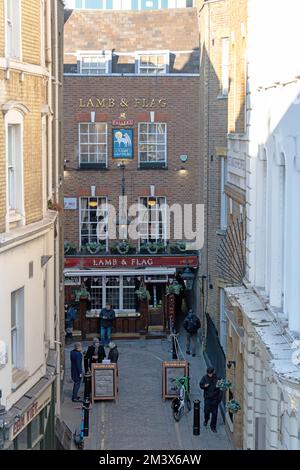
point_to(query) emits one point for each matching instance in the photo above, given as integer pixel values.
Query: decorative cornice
(17, 105)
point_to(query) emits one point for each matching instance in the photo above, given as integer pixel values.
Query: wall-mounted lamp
(183, 158)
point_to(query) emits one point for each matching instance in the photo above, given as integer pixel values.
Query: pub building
(131, 127)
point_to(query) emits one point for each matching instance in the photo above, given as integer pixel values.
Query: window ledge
(222, 97)
(221, 232)
(14, 217)
(93, 166)
(19, 376)
(153, 166)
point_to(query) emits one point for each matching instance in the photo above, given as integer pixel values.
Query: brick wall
(130, 31)
(31, 30)
(2, 29)
(213, 26)
(30, 92)
(182, 117)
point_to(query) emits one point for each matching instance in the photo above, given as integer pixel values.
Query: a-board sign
(104, 382)
(170, 371)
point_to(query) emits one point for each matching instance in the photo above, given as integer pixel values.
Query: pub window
(93, 220)
(95, 64)
(119, 291)
(153, 63)
(152, 144)
(152, 219)
(92, 145)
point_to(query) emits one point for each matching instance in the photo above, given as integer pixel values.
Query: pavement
(140, 419)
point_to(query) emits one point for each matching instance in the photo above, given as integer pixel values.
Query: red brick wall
(182, 117)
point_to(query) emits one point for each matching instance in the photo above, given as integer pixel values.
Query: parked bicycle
(181, 384)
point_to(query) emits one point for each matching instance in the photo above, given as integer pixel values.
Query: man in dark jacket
(107, 316)
(94, 354)
(212, 397)
(76, 370)
(113, 354)
(191, 324)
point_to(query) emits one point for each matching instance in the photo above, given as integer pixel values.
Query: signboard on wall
(104, 382)
(132, 261)
(70, 203)
(170, 371)
(122, 143)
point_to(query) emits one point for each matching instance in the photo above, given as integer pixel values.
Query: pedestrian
(113, 354)
(212, 397)
(94, 354)
(76, 370)
(191, 324)
(107, 316)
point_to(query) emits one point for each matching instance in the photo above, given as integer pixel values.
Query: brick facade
(126, 32)
(182, 118)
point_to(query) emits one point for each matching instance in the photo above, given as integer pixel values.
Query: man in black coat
(191, 325)
(113, 354)
(107, 316)
(94, 354)
(212, 397)
(76, 370)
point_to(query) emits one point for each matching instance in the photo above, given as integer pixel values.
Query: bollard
(174, 353)
(86, 416)
(87, 386)
(196, 425)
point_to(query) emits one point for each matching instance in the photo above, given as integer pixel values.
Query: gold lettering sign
(107, 103)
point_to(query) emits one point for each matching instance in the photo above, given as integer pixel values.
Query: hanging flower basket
(123, 247)
(153, 247)
(143, 294)
(94, 248)
(233, 406)
(83, 293)
(69, 248)
(223, 384)
(181, 246)
(174, 288)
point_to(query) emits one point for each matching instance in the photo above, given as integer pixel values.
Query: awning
(120, 272)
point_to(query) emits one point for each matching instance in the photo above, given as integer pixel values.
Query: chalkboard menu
(104, 381)
(170, 371)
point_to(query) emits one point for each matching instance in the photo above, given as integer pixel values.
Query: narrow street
(140, 419)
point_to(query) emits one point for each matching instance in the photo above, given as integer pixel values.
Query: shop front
(91, 282)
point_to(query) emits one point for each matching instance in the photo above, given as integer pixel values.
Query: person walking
(94, 354)
(107, 316)
(76, 370)
(191, 324)
(113, 354)
(212, 397)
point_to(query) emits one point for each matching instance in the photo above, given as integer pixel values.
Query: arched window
(14, 116)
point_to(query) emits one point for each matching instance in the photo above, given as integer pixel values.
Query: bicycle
(178, 403)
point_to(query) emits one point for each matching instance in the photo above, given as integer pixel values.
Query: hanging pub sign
(122, 143)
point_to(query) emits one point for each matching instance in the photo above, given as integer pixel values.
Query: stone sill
(19, 376)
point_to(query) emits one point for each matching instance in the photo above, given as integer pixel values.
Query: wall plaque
(104, 381)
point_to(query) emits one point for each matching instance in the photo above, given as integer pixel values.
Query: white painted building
(268, 157)
(127, 4)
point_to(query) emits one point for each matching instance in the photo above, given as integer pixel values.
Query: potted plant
(174, 288)
(233, 406)
(143, 293)
(223, 384)
(54, 206)
(94, 248)
(83, 293)
(69, 248)
(181, 246)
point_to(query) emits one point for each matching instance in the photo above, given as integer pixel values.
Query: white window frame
(95, 9)
(165, 54)
(17, 331)
(165, 162)
(164, 220)
(79, 143)
(120, 288)
(80, 222)
(103, 54)
(14, 24)
(225, 66)
(17, 214)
